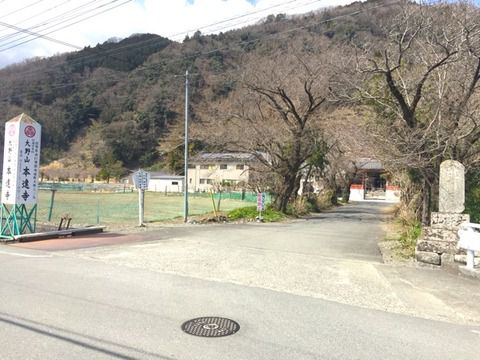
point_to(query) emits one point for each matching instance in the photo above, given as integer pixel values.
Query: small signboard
(469, 237)
(21, 159)
(141, 179)
(261, 201)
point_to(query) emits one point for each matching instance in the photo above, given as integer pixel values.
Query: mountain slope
(122, 98)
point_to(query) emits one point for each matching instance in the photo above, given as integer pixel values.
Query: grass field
(91, 208)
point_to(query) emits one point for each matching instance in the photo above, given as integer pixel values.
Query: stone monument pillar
(438, 246)
(451, 198)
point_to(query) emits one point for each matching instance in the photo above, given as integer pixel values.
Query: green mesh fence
(109, 208)
(93, 187)
(248, 197)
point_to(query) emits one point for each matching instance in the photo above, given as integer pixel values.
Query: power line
(72, 15)
(30, 31)
(246, 42)
(61, 42)
(239, 17)
(70, 24)
(52, 39)
(227, 48)
(23, 8)
(55, 20)
(39, 14)
(37, 35)
(148, 42)
(250, 20)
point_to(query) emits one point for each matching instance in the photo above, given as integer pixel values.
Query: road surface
(308, 289)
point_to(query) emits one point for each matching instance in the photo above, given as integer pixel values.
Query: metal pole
(141, 206)
(52, 199)
(185, 180)
(98, 211)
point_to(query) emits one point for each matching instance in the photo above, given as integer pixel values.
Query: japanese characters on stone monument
(21, 160)
(452, 187)
(438, 245)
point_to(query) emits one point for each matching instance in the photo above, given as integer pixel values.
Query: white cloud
(169, 18)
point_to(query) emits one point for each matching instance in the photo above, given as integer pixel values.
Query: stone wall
(438, 245)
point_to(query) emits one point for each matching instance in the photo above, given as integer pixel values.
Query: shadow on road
(56, 333)
(374, 211)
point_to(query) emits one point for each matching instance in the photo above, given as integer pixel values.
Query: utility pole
(185, 180)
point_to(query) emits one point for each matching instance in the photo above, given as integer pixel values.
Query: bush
(301, 206)
(251, 213)
(472, 203)
(325, 200)
(408, 238)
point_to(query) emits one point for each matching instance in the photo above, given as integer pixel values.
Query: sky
(72, 24)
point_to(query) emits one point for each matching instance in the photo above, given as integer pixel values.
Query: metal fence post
(98, 211)
(50, 210)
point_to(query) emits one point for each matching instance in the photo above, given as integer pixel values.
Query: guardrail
(469, 234)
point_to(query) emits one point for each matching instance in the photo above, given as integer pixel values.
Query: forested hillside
(396, 80)
(118, 105)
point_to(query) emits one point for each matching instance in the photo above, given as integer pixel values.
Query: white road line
(25, 255)
(475, 332)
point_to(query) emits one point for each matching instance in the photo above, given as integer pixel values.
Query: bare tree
(423, 83)
(275, 115)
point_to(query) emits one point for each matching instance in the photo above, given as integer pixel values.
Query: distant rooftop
(164, 175)
(223, 157)
(369, 164)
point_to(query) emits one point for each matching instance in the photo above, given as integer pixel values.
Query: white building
(163, 182)
(228, 169)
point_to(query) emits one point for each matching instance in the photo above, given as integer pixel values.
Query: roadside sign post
(140, 180)
(260, 205)
(21, 162)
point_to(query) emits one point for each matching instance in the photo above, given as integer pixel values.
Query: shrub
(408, 238)
(325, 200)
(301, 206)
(251, 213)
(472, 202)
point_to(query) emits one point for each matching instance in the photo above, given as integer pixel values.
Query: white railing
(469, 234)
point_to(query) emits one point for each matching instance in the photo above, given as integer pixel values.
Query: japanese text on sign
(261, 201)
(141, 179)
(21, 161)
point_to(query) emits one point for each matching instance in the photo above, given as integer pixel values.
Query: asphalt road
(310, 289)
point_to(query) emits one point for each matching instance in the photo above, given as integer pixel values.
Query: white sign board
(141, 179)
(469, 237)
(21, 161)
(261, 201)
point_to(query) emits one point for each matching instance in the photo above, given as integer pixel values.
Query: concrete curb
(54, 234)
(475, 273)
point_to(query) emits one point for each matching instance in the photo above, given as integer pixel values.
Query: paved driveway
(309, 289)
(331, 255)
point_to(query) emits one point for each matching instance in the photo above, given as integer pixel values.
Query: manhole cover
(210, 326)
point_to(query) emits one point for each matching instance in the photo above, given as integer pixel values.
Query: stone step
(449, 221)
(438, 234)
